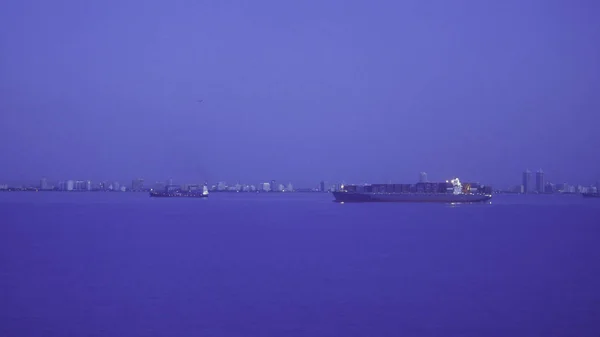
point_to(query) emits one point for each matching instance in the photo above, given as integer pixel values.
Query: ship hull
(177, 195)
(410, 197)
(591, 195)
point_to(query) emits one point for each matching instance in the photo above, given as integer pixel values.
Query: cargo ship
(452, 191)
(174, 191)
(595, 194)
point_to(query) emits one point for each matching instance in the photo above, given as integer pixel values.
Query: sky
(302, 91)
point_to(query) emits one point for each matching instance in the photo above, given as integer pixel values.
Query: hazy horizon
(149, 182)
(350, 91)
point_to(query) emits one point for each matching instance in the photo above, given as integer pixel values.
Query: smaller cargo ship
(592, 194)
(452, 191)
(174, 191)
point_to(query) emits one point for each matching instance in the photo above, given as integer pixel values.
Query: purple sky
(335, 90)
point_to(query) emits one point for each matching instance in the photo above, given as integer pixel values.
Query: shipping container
(379, 188)
(445, 187)
(350, 188)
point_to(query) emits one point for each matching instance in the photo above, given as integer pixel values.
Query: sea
(296, 264)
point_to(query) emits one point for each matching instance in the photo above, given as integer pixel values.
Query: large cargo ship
(174, 191)
(452, 191)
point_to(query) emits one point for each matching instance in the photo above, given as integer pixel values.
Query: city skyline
(530, 183)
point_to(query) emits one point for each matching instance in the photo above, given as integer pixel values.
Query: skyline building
(539, 181)
(137, 184)
(80, 185)
(423, 177)
(44, 183)
(70, 185)
(527, 187)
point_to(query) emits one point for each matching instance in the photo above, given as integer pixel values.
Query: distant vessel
(174, 191)
(449, 192)
(593, 194)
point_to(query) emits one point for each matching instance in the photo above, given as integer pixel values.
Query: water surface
(123, 264)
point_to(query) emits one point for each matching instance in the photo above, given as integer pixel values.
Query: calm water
(122, 264)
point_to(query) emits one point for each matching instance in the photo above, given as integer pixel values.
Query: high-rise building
(221, 186)
(44, 183)
(137, 184)
(527, 187)
(88, 185)
(159, 186)
(290, 187)
(116, 186)
(170, 182)
(266, 187)
(423, 177)
(273, 187)
(322, 186)
(561, 187)
(78, 185)
(539, 181)
(70, 185)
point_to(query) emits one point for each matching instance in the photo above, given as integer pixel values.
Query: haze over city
(316, 90)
